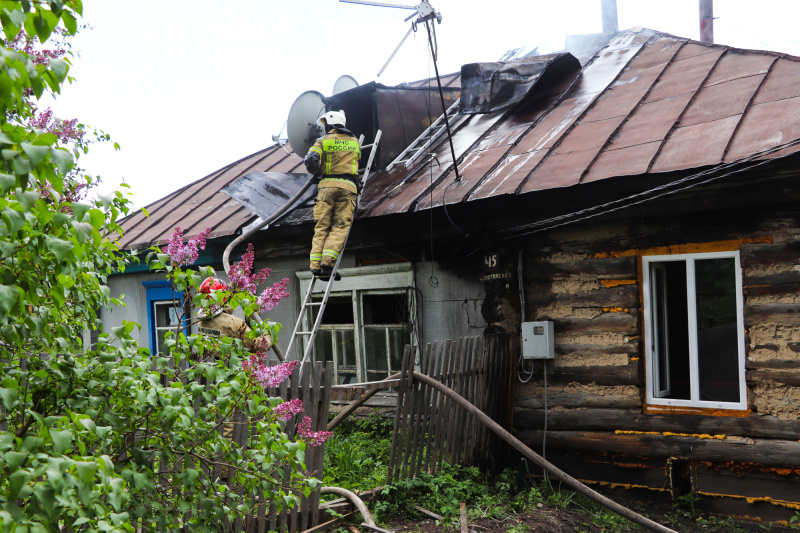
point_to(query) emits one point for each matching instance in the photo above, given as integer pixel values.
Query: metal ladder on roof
(424, 141)
(309, 336)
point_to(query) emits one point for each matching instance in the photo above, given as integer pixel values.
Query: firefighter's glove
(312, 162)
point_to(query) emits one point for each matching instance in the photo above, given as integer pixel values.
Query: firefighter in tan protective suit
(335, 158)
(224, 324)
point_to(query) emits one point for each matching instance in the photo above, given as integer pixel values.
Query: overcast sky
(188, 86)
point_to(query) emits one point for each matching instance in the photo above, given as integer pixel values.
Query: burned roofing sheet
(487, 87)
(647, 103)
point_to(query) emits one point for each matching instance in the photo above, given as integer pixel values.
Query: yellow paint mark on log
(688, 248)
(608, 283)
(627, 486)
(635, 358)
(670, 434)
(615, 309)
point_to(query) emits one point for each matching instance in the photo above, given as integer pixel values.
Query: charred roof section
(401, 113)
(488, 87)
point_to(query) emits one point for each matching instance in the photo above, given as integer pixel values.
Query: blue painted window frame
(158, 291)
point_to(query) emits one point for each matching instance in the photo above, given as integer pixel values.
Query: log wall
(586, 278)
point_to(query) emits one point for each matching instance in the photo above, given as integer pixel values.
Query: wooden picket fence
(431, 429)
(314, 389)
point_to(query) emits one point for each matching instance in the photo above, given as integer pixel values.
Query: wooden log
(625, 324)
(783, 314)
(539, 293)
(575, 399)
(775, 364)
(785, 377)
(754, 484)
(550, 265)
(635, 420)
(767, 452)
(603, 375)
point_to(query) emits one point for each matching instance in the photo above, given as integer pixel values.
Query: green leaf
(69, 22)
(97, 218)
(15, 459)
(47, 497)
(27, 199)
(17, 481)
(14, 220)
(61, 440)
(86, 470)
(59, 247)
(83, 231)
(8, 298)
(35, 153)
(63, 160)
(7, 182)
(59, 68)
(79, 209)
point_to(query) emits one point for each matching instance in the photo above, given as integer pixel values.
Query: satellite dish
(344, 83)
(302, 127)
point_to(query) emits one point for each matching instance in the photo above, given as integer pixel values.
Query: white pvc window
(694, 330)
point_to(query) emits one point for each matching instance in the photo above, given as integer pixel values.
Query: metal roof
(202, 204)
(647, 103)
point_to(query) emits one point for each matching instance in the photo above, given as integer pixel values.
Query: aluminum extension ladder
(424, 141)
(309, 336)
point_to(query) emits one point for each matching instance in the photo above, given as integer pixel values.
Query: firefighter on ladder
(334, 158)
(221, 322)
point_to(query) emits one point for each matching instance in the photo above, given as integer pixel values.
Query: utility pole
(707, 21)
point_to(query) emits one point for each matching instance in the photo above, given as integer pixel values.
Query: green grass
(356, 458)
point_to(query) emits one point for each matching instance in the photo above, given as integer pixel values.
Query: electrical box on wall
(538, 340)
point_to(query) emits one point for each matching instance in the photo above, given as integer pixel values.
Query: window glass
(671, 331)
(717, 342)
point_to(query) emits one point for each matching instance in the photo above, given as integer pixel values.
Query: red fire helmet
(210, 285)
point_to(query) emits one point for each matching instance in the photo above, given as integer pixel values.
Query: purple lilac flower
(185, 254)
(241, 276)
(272, 376)
(312, 438)
(270, 297)
(287, 410)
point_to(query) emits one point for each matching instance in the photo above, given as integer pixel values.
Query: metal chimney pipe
(707, 21)
(609, 10)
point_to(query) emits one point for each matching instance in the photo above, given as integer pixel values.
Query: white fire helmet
(334, 118)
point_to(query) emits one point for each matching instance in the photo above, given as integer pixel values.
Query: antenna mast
(425, 14)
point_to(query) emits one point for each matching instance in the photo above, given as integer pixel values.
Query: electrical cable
(544, 431)
(523, 375)
(444, 203)
(434, 53)
(591, 212)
